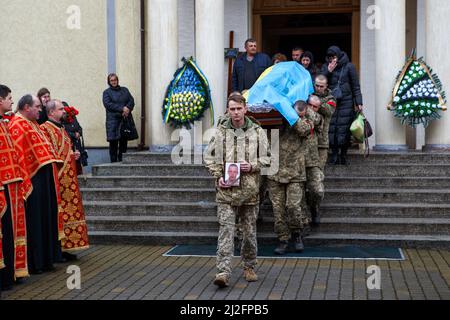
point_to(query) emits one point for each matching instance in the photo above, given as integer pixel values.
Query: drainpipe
(141, 145)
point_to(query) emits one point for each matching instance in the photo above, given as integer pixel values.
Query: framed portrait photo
(233, 174)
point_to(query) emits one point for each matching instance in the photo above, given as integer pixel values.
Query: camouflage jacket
(312, 142)
(251, 140)
(223, 118)
(326, 111)
(291, 154)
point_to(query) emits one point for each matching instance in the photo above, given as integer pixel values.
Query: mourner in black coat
(119, 103)
(75, 132)
(338, 66)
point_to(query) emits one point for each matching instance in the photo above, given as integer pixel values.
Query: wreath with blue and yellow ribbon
(187, 97)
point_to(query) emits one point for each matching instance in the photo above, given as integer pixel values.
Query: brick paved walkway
(141, 272)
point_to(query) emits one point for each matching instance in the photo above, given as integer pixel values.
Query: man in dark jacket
(249, 66)
(119, 103)
(341, 72)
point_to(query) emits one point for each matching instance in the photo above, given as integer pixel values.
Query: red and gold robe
(2, 212)
(35, 152)
(71, 208)
(15, 179)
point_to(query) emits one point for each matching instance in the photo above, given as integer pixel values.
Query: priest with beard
(71, 209)
(17, 188)
(44, 228)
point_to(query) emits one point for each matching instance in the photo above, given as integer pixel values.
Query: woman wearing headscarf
(341, 73)
(119, 104)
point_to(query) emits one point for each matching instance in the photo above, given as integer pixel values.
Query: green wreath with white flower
(418, 97)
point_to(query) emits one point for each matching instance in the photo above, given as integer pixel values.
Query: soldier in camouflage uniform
(239, 232)
(239, 201)
(314, 174)
(287, 187)
(326, 110)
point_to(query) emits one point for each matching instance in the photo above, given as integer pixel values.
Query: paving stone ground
(139, 272)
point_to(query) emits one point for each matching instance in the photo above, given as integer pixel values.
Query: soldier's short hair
(300, 105)
(314, 98)
(322, 77)
(238, 98)
(235, 93)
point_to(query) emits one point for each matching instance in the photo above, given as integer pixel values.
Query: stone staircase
(400, 199)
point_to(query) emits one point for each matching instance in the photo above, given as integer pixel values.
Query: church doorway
(280, 25)
(312, 32)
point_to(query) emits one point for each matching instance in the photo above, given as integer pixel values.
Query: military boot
(298, 242)
(222, 280)
(282, 247)
(250, 275)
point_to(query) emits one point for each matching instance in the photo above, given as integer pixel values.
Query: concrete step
(209, 209)
(176, 238)
(332, 195)
(441, 196)
(389, 170)
(208, 182)
(354, 157)
(149, 182)
(418, 226)
(372, 170)
(388, 182)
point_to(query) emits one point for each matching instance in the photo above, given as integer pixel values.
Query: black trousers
(41, 212)
(7, 274)
(117, 148)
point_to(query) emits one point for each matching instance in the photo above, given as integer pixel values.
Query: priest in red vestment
(17, 188)
(44, 228)
(71, 208)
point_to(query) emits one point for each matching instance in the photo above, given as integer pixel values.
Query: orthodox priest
(17, 188)
(44, 228)
(2, 212)
(71, 209)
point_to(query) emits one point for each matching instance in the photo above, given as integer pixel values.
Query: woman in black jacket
(340, 71)
(75, 132)
(119, 104)
(307, 61)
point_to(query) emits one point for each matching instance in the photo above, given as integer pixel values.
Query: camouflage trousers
(323, 158)
(314, 190)
(288, 213)
(263, 190)
(225, 243)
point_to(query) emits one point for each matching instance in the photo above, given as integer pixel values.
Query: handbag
(368, 132)
(128, 129)
(337, 92)
(362, 131)
(83, 154)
